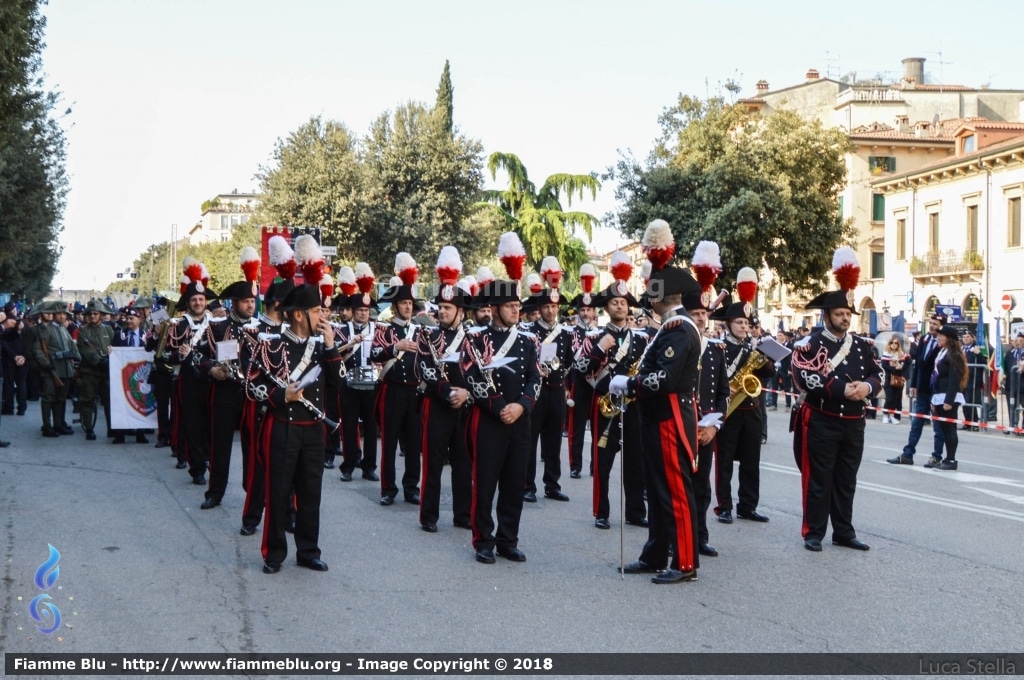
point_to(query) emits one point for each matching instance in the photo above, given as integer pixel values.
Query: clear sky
(177, 101)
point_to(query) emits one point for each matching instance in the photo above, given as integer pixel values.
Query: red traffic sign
(1008, 302)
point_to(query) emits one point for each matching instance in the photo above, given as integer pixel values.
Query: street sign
(329, 251)
(1008, 302)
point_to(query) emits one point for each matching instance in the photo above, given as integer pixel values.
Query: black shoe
(387, 500)
(209, 503)
(812, 544)
(4, 445)
(64, 429)
(462, 525)
(90, 436)
(118, 439)
(851, 543)
(555, 496)
(7, 412)
(181, 465)
(21, 413)
(316, 564)
(901, 460)
(198, 479)
(512, 554)
(933, 462)
(530, 497)
(346, 476)
(674, 576)
(752, 515)
(948, 465)
(639, 567)
(725, 516)
(602, 523)
(141, 439)
(371, 476)
(642, 522)
(271, 567)
(764, 440)
(575, 474)
(485, 556)
(328, 464)
(706, 550)
(247, 530)
(412, 498)
(429, 528)
(49, 432)
(161, 444)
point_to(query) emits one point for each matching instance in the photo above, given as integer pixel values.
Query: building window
(1013, 223)
(969, 144)
(878, 265)
(224, 238)
(245, 219)
(234, 220)
(879, 164)
(223, 221)
(901, 239)
(840, 207)
(878, 207)
(972, 229)
(933, 232)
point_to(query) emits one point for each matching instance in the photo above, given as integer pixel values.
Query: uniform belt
(833, 408)
(277, 415)
(402, 382)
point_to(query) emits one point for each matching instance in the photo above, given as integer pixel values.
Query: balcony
(945, 266)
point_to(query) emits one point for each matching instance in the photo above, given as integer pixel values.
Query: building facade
(221, 215)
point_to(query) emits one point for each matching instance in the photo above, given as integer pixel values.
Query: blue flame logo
(43, 611)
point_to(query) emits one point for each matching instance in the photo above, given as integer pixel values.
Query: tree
(765, 188)
(544, 226)
(33, 182)
(444, 107)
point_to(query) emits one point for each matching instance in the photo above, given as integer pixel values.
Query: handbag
(897, 380)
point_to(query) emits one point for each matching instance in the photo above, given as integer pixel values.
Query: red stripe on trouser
(211, 395)
(383, 441)
(680, 504)
(805, 467)
(268, 424)
(425, 452)
(595, 461)
(472, 435)
(175, 414)
(572, 421)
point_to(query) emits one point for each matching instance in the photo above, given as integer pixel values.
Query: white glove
(618, 385)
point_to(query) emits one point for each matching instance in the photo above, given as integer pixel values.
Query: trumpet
(744, 383)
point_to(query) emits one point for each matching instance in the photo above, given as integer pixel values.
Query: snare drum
(362, 377)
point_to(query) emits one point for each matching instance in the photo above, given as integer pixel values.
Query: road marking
(957, 476)
(1019, 500)
(916, 496)
(972, 462)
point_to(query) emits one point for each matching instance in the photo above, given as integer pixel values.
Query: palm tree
(545, 227)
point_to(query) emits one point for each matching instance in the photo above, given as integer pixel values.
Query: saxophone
(744, 383)
(608, 408)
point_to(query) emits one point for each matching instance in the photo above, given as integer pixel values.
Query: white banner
(132, 401)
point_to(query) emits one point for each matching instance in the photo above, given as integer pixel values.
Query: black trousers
(632, 461)
(702, 487)
(357, 407)
(332, 408)
(15, 386)
(295, 460)
(499, 453)
(195, 420)
(579, 416)
(950, 436)
(226, 404)
(546, 421)
(398, 415)
(163, 389)
(254, 477)
(828, 451)
(444, 440)
(739, 441)
(672, 511)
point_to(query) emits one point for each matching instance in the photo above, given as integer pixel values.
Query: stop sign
(1008, 302)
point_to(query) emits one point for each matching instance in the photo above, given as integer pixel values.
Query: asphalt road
(142, 568)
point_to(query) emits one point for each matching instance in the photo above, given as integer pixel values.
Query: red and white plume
(484, 275)
(621, 266)
(468, 284)
(534, 283)
(846, 268)
(706, 264)
(193, 269)
(326, 289)
(183, 283)
(347, 280)
(551, 272)
(406, 269)
(449, 266)
(395, 282)
(746, 285)
(310, 259)
(512, 255)
(659, 245)
(205, 276)
(249, 261)
(364, 277)
(645, 271)
(588, 275)
(282, 257)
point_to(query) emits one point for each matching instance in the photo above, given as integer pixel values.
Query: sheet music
(773, 349)
(159, 316)
(227, 350)
(310, 377)
(710, 420)
(548, 351)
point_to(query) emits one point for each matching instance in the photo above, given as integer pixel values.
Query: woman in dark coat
(896, 364)
(948, 382)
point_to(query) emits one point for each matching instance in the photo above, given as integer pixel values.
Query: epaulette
(718, 342)
(269, 336)
(528, 334)
(638, 331)
(218, 320)
(476, 330)
(594, 333)
(802, 342)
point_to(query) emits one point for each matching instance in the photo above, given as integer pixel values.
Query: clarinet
(317, 413)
